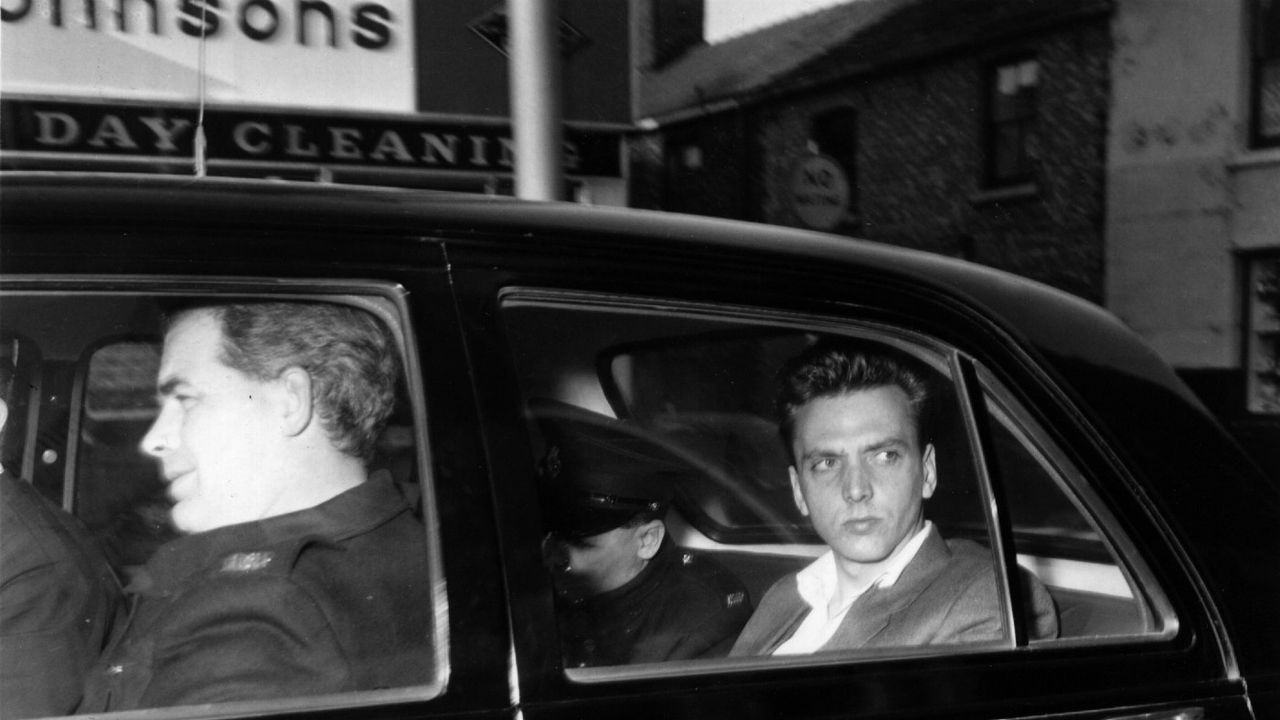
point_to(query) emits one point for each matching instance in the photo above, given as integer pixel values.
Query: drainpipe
(534, 69)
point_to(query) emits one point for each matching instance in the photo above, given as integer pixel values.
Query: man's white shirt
(817, 585)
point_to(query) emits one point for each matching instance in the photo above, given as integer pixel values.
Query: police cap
(598, 473)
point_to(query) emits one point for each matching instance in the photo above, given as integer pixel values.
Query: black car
(1067, 446)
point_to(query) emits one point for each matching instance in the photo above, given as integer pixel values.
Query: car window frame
(963, 369)
(388, 300)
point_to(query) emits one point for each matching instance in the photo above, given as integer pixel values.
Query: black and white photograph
(640, 359)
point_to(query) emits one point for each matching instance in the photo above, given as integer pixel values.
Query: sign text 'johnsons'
(308, 23)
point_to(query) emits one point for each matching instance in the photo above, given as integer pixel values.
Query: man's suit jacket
(946, 594)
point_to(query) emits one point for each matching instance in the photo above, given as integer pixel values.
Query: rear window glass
(625, 399)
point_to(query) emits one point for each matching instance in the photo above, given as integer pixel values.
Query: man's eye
(887, 457)
(824, 464)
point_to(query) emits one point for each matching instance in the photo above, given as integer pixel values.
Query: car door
(81, 307)
(680, 342)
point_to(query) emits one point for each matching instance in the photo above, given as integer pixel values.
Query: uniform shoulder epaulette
(276, 559)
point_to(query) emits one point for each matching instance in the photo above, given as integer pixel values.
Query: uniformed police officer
(299, 573)
(626, 593)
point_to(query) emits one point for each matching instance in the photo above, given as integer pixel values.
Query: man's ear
(650, 537)
(930, 470)
(297, 406)
(798, 496)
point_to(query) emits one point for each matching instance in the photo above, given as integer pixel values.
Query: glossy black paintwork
(1195, 506)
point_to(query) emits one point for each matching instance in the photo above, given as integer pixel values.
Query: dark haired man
(627, 594)
(299, 572)
(854, 418)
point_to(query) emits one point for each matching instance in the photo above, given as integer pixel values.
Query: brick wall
(920, 161)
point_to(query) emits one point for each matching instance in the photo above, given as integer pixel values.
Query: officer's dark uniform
(678, 607)
(58, 603)
(597, 477)
(329, 599)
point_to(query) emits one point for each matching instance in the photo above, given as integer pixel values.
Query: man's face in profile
(860, 474)
(215, 431)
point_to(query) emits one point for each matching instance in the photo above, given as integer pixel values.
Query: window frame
(968, 375)
(829, 123)
(1153, 604)
(1026, 123)
(1263, 59)
(387, 300)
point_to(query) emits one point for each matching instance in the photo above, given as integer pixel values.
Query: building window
(1011, 119)
(834, 133)
(1263, 342)
(1266, 74)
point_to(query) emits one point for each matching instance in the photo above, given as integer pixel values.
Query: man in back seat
(853, 417)
(626, 593)
(299, 572)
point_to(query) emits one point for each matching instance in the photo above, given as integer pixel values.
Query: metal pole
(534, 69)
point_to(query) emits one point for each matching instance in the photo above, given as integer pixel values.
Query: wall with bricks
(920, 160)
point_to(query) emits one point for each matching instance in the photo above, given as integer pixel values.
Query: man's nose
(855, 485)
(159, 438)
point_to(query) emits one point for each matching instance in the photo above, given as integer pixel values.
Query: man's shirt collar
(817, 583)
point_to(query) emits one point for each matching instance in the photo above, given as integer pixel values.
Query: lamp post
(534, 69)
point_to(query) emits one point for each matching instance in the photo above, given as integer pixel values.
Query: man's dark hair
(351, 357)
(838, 366)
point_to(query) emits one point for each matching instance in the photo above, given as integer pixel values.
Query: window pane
(243, 579)
(638, 402)
(834, 133)
(120, 493)
(1007, 153)
(1268, 36)
(1011, 120)
(1269, 100)
(1263, 340)
(1096, 592)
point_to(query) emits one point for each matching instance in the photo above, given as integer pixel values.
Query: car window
(1062, 531)
(86, 368)
(696, 385)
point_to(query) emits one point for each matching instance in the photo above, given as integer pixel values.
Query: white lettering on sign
(166, 134)
(253, 137)
(115, 131)
(439, 149)
(819, 192)
(58, 129)
(297, 145)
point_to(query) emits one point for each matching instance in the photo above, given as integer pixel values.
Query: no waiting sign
(819, 191)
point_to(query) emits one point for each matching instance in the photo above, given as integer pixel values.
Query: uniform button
(115, 669)
(687, 559)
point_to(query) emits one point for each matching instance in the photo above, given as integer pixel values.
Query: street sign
(819, 192)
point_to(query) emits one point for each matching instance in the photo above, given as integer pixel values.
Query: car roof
(1058, 324)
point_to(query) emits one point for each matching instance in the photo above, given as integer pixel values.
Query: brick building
(973, 128)
(1127, 151)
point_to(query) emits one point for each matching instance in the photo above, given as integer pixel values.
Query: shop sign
(341, 54)
(160, 132)
(819, 192)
